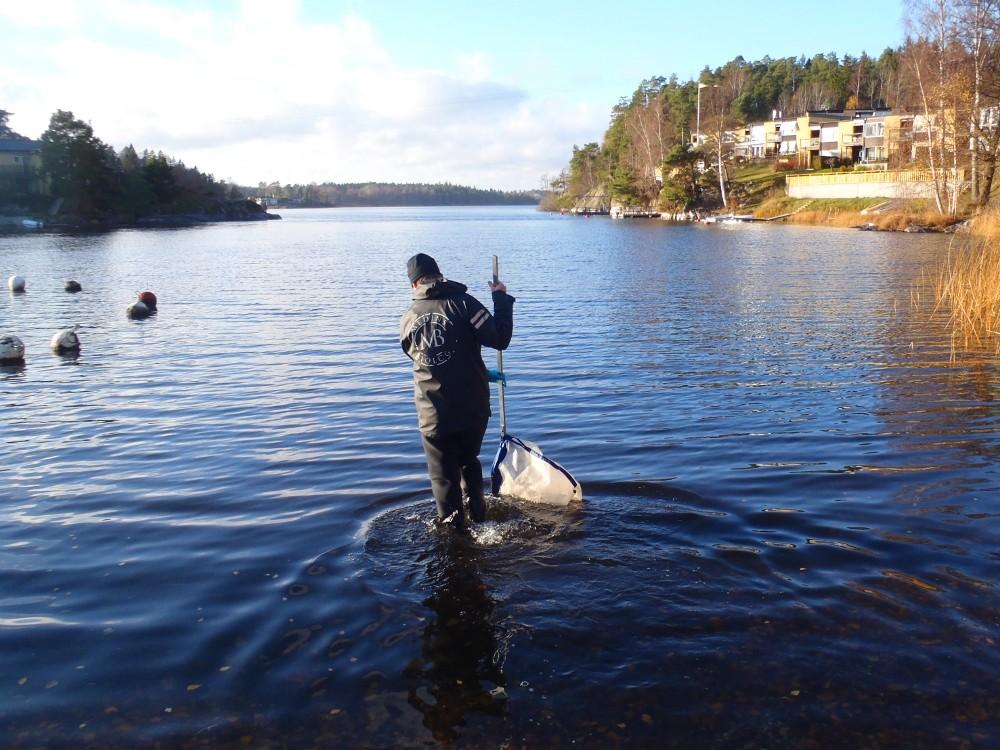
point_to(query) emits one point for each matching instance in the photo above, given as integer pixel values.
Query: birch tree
(979, 29)
(718, 100)
(936, 63)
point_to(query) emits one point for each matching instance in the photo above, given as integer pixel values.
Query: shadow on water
(718, 624)
(460, 667)
(646, 616)
(12, 370)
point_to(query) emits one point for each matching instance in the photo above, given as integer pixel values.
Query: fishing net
(522, 470)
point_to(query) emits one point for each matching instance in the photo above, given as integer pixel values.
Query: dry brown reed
(893, 221)
(968, 285)
(848, 213)
(828, 218)
(986, 224)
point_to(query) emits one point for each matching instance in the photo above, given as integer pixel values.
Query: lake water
(214, 529)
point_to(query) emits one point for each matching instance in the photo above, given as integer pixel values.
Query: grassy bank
(759, 189)
(853, 212)
(968, 285)
(755, 184)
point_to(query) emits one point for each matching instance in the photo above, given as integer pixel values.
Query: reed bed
(890, 221)
(986, 225)
(968, 285)
(827, 218)
(850, 213)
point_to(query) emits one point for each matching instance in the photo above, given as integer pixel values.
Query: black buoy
(72, 286)
(11, 349)
(137, 310)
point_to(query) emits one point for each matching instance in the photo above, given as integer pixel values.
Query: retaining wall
(896, 183)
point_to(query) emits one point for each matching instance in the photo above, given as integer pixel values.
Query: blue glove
(496, 376)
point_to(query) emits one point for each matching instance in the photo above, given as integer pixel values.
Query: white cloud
(475, 66)
(57, 13)
(257, 93)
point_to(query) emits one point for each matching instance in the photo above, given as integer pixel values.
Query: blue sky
(488, 94)
(605, 49)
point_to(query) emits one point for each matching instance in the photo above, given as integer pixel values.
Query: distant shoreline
(11, 224)
(153, 222)
(288, 207)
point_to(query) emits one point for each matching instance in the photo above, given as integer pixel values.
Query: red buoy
(148, 299)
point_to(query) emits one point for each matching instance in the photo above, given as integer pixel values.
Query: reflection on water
(460, 668)
(215, 528)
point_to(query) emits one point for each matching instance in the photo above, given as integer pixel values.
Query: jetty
(633, 212)
(596, 202)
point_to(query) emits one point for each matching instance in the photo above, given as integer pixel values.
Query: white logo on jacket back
(428, 335)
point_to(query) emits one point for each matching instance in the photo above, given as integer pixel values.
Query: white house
(788, 132)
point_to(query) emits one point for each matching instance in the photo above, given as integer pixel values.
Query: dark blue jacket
(442, 333)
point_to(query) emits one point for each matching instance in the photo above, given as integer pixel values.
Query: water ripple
(216, 529)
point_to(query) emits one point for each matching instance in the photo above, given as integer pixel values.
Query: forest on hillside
(947, 70)
(85, 180)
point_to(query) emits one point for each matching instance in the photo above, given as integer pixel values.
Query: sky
(483, 94)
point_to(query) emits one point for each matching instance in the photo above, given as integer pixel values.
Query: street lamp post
(697, 137)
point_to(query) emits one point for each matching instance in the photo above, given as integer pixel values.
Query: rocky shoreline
(234, 212)
(956, 228)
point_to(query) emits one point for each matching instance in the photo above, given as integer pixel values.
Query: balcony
(853, 140)
(809, 143)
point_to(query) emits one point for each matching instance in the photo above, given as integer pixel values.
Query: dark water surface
(214, 523)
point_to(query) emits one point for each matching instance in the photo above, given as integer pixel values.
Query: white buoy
(11, 349)
(137, 310)
(16, 283)
(65, 340)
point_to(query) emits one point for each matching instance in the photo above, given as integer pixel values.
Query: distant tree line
(947, 71)
(93, 183)
(392, 194)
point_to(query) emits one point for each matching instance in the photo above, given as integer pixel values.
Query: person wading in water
(442, 333)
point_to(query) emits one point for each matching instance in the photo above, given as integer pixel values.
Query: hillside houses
(827, 139)
(20, 165)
